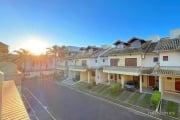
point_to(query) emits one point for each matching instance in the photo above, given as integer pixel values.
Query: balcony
(123, 70)
(167, 70)
(82, 68)
(61, 67)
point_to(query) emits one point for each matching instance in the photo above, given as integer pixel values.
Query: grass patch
(97, 87)
(145, 102)
(124, 96)
(101, 89)
(82, 86)
(114, 90)
(135, 98)
(172, 109)
(113, 95)
(105, 92)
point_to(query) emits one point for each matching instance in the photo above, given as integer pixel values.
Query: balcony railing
(62, 67)
(167, 70)
(122, 68)
(127, 69)
(77, 67)
(174, 68)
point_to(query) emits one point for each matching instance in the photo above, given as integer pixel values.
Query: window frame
(103, 60)
(165, 58)
(155, 59)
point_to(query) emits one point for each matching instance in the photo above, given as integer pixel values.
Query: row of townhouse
(151, 63)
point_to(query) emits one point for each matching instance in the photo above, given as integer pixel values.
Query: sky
(84, 22)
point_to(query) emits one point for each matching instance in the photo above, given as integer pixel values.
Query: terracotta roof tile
(12, 105)
(168, 44)
(147, 47)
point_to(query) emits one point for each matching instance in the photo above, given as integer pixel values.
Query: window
(114, 62)
(136, 43)
(165, 58)
(119, 76)
(111, 77)
(120, 46)
(155, 59)
(103, 60)
(130, 61)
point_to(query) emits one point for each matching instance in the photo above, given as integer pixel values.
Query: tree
(21, 60)
(57, 52)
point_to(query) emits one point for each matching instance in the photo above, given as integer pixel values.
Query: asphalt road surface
(50, 101)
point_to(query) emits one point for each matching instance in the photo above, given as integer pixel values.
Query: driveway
(52, 101)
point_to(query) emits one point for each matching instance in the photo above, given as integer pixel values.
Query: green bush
(115, 88)
(155, 98)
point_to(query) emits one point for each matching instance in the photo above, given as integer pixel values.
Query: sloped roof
(12, 105)
(119, 41)
(151, 47)
(69, 57)
(168, 44)
(1, 43)
(135, 38)
(108, 52)
(101, 52)
(146, 47)
(83, 55)
(97, 52)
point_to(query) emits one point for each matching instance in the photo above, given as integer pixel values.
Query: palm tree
(21, 60)
(57, 52)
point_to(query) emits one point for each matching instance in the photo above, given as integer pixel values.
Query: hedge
(155, 98)
(115, 88)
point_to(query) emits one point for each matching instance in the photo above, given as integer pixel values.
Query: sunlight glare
(35, 45)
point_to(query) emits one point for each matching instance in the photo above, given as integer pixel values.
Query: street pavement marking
(43, 106)
(31, 108)
(110, 102)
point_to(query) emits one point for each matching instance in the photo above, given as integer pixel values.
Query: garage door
(131, 62)
(177, 84)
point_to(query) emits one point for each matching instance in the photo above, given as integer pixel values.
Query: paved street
(52, 101)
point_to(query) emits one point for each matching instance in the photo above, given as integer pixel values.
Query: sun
(35, 45)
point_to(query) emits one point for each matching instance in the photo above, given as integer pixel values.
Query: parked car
(130, 85)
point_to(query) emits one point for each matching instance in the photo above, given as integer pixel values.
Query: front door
(136, 81)
(177, 84)
(115, 78)
(152, 81)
